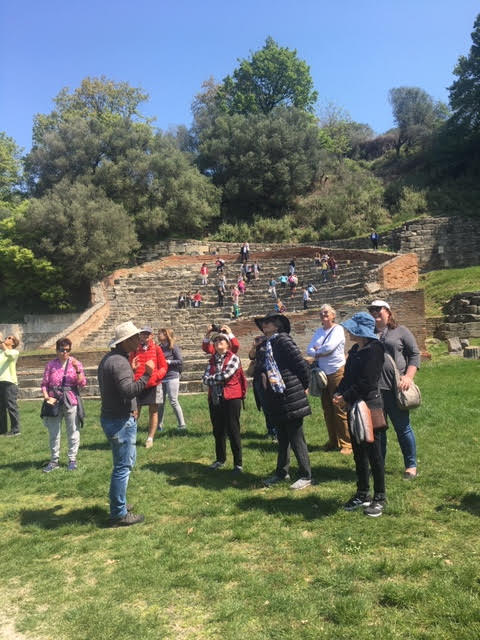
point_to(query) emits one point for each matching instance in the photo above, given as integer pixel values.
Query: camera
(215, 327)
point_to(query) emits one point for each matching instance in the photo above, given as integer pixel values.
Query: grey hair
(328, 307)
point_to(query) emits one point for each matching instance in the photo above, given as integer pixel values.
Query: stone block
(472, 352)
(454, 346)
(372, 287)
(464, 342)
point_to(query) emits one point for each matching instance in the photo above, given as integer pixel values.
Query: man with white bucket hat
(118, 390)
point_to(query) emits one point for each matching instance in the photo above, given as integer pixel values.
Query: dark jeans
(368, 455)
(225, 419)
(401, 423)
(8, 403)
(290, 436)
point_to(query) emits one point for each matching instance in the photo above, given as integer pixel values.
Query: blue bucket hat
(361, 324)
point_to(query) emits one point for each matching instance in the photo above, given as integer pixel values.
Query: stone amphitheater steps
(148, 298)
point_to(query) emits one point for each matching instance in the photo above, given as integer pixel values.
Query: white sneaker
(216, 465)
(301, 483)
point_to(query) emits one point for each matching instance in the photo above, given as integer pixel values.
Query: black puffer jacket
(362, 373)
(293, 403)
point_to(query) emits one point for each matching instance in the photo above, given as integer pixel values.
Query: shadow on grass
(321, 473)
(470, 502)
(194, 474)
(21, 466)
(50, 519)
(311, 507)
(96, 446)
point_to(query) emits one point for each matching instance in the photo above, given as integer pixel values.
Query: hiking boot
(127, 520)
(216, 465)
(375, 509)
(51, 466)
(72, 465)
(149, 443)
(275, 479)
(301, 483)
(357, 501)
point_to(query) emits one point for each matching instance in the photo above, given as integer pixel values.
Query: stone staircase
(150, 298)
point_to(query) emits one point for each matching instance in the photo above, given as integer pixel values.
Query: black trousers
(8, 402)
(225, 419)
(368, 455)
(290, 436)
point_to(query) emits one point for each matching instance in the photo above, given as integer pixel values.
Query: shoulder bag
(318, 378)
(408, 399)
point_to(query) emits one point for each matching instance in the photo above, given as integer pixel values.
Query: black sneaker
(357, 501)
(375, 509)
(127, 520)
(12, 434)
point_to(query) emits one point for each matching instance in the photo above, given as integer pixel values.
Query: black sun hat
(279, 319)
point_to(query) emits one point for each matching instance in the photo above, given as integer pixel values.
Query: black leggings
(368, 455)
(225, 418)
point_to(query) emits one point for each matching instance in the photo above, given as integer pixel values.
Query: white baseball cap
(379, 303)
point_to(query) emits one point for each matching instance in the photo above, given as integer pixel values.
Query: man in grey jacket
(118, 390)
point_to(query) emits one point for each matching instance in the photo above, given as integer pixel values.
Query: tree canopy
(271, 77)
(465, 91)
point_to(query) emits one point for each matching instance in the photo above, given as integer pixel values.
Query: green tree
(465, 91)
(348, 201)
(10, 167)
(261, 163)
(97, 136)
(271, 77)
(78, 229)
(416, 115)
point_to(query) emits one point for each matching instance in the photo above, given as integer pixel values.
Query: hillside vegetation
(258, 163)
(440, 286)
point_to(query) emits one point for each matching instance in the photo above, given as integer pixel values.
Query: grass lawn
(219, 557)
(440, 286)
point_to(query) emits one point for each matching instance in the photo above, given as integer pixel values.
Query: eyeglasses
(64, 350)
(375, 309)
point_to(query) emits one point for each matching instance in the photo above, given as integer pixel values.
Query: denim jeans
(122, 435)
(401, 423)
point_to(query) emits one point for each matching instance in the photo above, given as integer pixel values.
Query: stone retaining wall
(440, 243)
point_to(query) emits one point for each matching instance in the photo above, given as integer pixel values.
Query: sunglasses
(375, 309)
(64, 350)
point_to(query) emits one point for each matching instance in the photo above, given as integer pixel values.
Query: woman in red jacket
(148, 350)
(226, 387)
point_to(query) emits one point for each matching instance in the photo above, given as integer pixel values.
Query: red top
(150, 351)
(233, 388)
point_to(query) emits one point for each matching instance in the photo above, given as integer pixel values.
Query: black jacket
(362, 373)
(292, 404)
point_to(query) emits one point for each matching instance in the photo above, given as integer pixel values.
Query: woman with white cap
(360, 382)
(401, 345)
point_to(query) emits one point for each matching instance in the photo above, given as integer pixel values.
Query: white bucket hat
(123, 332)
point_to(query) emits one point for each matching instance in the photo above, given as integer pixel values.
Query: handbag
(49, 410)
(53, 410)
(360, 421)
(318, 381)
(407, 399)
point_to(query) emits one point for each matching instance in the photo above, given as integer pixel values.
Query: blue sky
(357, 50)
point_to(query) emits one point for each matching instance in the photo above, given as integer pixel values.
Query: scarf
(272, 371)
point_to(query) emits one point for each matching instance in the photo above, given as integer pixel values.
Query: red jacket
(236, 386)
(152, 352)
